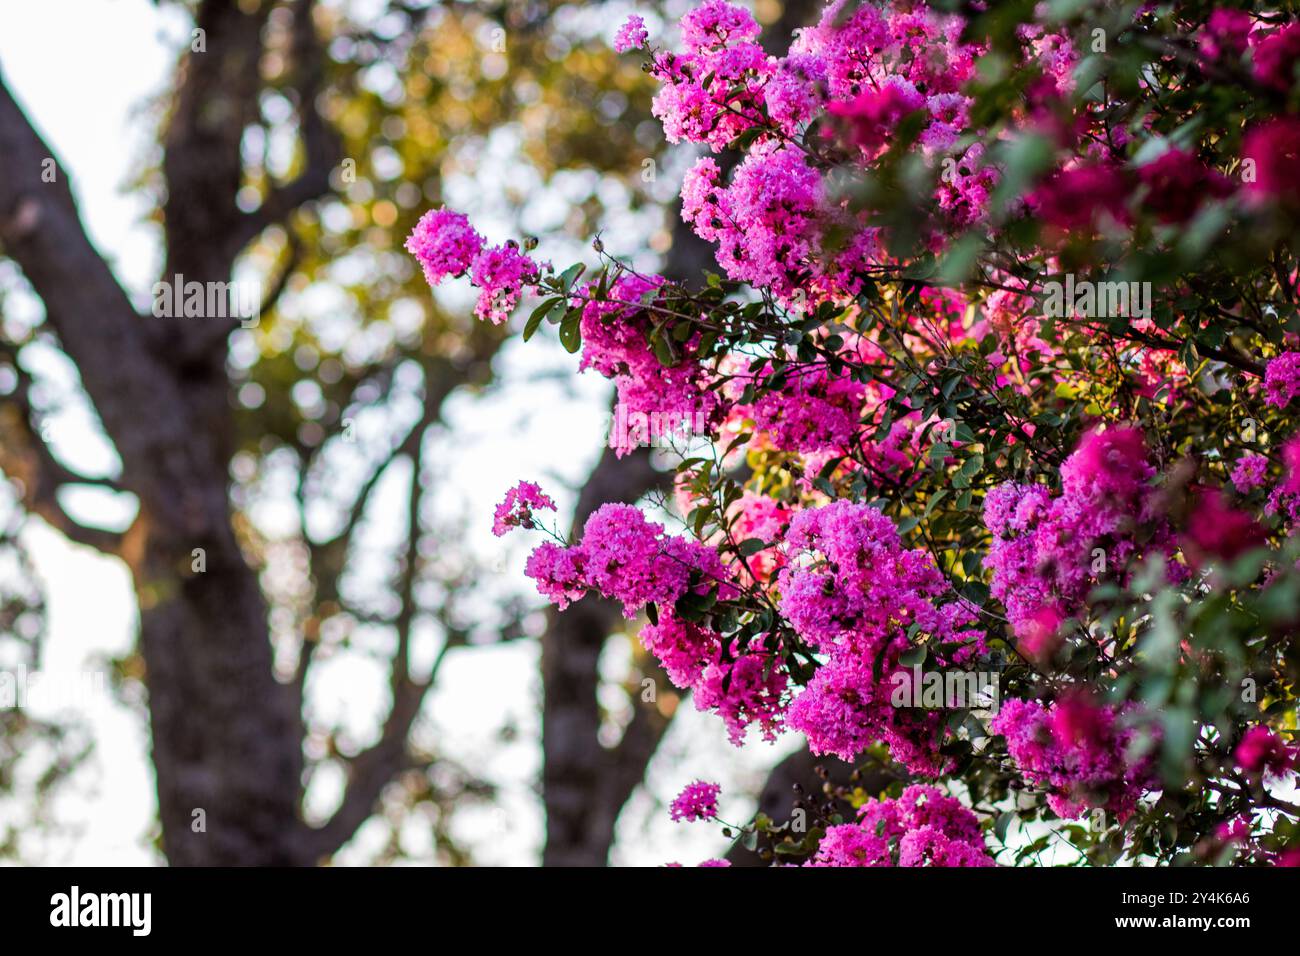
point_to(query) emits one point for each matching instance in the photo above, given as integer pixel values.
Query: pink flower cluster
(922, 827)
(445, 244)
(1225, 34)
(1262, 751)
(867, 69)
(1274, 146)
(1275, 55)
(1215, 529)
(1284, 499)
(812, 412)
(1176, 184)
(632, 35)
(516, 511)
(697, 801)
(626, 558)
(615, 342)
(1083, 752)
(1082, 198)
(1048, 552)
(1250, 472)
(852, 591)
(1282, 379)
(742, 685)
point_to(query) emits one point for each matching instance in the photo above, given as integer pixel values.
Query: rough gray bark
(204, 637)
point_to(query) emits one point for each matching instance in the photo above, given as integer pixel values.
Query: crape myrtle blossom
(1249, 473)
(1284, 499)
(516, 511)
(697, 801)
(615, 343)
(1262, 751)
(627, 558)
(922, 827)
(1274, 147)
(632, 35)
(445, 245)
(1050, 550)
(1282, 379)
(1088, 755)
(501, 273)
(1275, 55)
(853, 592)
(1215, 529)
(1225, 34)
(774, 221)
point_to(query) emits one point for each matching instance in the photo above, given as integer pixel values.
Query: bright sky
(86, 72)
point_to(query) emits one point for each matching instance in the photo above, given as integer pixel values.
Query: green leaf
(570, 275)
(571, 331)
(913, 656)
(539, 313)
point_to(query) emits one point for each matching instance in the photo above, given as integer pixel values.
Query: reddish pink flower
(632, 35)
(1225, 34)
(872, 116)
(1178, 184)
(1274, 148)
(1082, 197)
(1217, 530)
(1276, 56)
(697, 801)
(1262, 751)
(516, 511)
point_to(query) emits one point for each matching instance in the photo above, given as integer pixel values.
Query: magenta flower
(1262, 751)
(1274, 147)
(1251, 472)
(871, 117)
(922, 827)
(1275, 57)
(1214, 529)
(1078, 198)
(444, 243)
(697, 801)
(516, 511)
(1078, 749)
(1225, 34)
(1282, 379)
(632, 35)
(501, 273)
(1178, 184)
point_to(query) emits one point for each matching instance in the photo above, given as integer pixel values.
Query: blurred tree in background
(296, 147)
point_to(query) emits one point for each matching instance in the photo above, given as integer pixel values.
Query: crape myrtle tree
(999, 362)
(297, 145)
